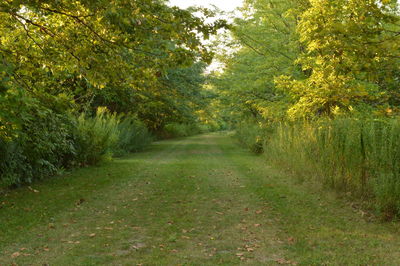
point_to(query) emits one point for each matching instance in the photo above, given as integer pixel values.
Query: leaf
(15, 254)
(291, 240)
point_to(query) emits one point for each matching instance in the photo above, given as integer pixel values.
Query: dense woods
(315, 86)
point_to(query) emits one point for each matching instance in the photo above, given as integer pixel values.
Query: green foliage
(266, 45)
(12, 164)
(347, 45)
(62, 60)
(309, 58)
(38, 144)
(46, 142)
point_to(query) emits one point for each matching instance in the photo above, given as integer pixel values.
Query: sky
(225, 5)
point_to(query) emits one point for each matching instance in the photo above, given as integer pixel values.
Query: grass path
(194, 201)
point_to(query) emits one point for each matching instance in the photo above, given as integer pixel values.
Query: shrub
(38, 146)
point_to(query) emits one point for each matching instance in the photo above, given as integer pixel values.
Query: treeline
(315, 86)
(81, 81)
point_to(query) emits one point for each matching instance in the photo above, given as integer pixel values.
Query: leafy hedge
(40, 142)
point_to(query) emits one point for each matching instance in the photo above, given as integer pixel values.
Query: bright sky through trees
(225, 5)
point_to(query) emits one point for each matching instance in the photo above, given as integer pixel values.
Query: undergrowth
(358, 156)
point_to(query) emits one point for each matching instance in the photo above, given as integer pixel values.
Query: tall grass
(133, 135)
(357, 156)
(106, 135)
(96, 137)
(250, 135)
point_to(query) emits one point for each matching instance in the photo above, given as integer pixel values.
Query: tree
(268, 46)
(86, 52)
(351, 46)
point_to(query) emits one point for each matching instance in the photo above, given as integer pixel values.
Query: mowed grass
(193, 201)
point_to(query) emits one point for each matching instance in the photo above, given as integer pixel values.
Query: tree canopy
(119, 54)
(306, 59)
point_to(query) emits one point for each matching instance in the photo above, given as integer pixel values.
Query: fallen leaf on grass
(291, 240)
(15, 254)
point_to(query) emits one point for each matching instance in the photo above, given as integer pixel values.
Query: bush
(38, 146)
(37, 142)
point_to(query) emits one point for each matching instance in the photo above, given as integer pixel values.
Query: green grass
(194, 201)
